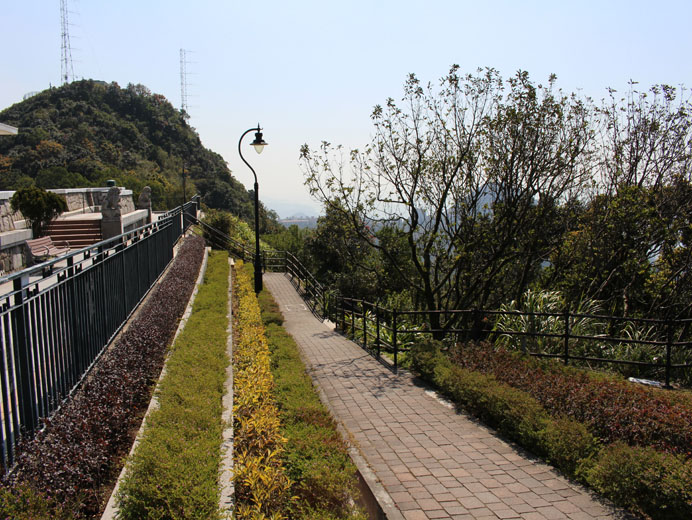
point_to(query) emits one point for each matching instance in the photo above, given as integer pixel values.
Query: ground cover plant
(652, 483)
(261, 485)
(66, 471)
(323, 477)
(175, 469)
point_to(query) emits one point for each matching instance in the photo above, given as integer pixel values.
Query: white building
(7, 129)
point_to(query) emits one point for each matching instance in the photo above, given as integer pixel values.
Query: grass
(323, 477)
(174, 470)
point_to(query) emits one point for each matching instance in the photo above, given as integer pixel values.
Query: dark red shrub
(612, 409)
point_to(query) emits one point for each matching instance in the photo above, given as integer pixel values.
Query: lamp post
(259, 145)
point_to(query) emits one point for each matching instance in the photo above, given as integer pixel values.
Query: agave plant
(542, 313)
(535, 314)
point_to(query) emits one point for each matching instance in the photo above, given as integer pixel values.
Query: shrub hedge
(323, 477)
(612, 409)
(75, 459)
(646, 481)
(261, 485)
(175, 469)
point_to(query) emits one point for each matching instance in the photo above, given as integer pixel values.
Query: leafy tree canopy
(480, 188)
(38, 206)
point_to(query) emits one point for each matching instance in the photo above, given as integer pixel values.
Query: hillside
(86, 132)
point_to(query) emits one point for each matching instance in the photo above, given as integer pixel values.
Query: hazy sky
(309, 71)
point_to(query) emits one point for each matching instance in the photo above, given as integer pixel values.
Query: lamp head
(258, 143)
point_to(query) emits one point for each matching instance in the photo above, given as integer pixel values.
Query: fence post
(23, 363)
(377, 328)
(343, 314)
(365, 327)
(394, 345)
(353, 321)
(669, 348)
(566, 317)
(121, 252)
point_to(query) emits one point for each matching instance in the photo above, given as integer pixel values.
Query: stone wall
(8, 217)
(78, 200)
(12, 258)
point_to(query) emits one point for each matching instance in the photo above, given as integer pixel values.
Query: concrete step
(75, 233)
(76, 224)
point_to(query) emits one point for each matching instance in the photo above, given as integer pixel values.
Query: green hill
(86, 132)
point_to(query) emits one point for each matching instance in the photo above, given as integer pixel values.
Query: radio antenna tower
(183, 81)
(66, 67)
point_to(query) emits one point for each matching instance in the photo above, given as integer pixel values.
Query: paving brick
(427, 457)
(429, 504)
(470, 502)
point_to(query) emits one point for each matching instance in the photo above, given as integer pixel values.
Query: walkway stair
(75, 233)
(420, 457)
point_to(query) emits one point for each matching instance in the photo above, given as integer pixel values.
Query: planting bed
(323, 477)
(174, 471)
(261, 485)
(68, 469)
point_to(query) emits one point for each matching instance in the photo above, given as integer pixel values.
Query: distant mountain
(289, 208)
(300, 221)
(86, 132)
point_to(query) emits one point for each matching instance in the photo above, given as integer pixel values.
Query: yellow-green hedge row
(174, 471)
(261, 484)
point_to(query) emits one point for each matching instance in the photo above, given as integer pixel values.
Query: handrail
(239, 246)
(380, 329)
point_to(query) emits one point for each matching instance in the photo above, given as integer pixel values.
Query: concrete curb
(226, 488)
(111, 511)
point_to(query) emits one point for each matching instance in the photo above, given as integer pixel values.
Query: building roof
(7, 129)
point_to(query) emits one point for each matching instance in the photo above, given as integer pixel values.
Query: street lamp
(259, 145)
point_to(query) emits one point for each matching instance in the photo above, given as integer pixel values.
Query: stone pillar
(111, 216)
(144, 202)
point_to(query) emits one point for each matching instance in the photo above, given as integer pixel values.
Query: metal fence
(57, 317)
(386, 333)
(393, 331)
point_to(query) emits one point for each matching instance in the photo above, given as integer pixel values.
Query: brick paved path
(424, 459)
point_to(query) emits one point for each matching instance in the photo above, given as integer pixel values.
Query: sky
(311, 71)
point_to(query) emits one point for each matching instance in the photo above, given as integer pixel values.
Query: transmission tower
(66, 67)
(183, 81)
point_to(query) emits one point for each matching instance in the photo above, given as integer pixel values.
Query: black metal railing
(220, 240)
(386, 333)
(391, 331)
(312, 292)
(57, 317)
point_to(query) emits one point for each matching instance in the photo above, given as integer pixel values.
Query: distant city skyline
(309, 71)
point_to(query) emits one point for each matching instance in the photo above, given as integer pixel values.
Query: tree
(630, 247)
(645, 138)
(607, 257)
(294, 240)
(57, 177)
(341, 256)
(470, 174)
(38, 206)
